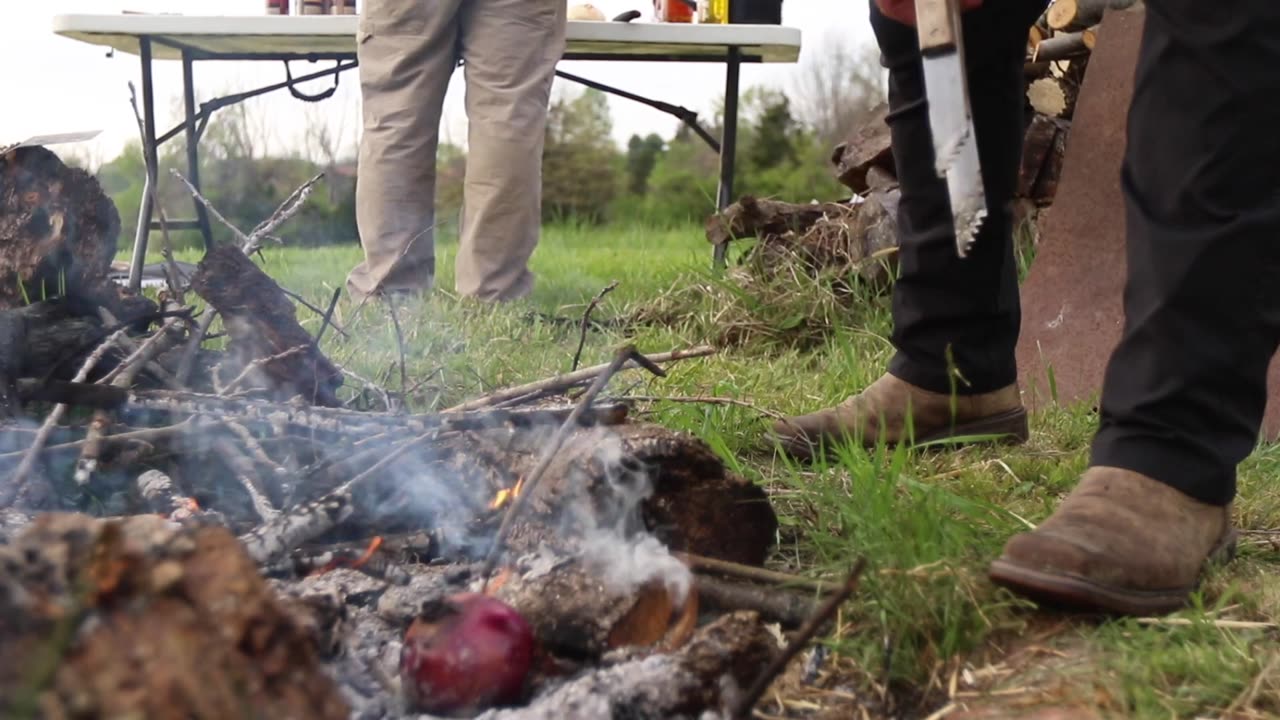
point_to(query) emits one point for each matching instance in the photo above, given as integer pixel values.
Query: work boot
(880, 412)
(1119, 543)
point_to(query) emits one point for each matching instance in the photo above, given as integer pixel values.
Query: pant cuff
(1169, 462)
(935, 378)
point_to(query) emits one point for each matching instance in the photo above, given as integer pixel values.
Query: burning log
(867, 147)
(262, 323)
(138, 618)
(724, 655)
(581, 608)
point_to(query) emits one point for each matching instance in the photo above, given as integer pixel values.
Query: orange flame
(506, 495)
(340, 562)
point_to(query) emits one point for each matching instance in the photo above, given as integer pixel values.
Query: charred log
(262, 323)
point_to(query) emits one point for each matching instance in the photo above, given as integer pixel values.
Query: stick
(193, 346)
(624, 355)
(586, 320)
(158, 490)
(258, 363)
(748, 572)
(705, 400)
(121, 377)
(395, 323)
(303, 302)
(286, 210)
(745, 704)
(786, 608)
(244, 471)
(564, 382)
(42, 435)
(144, 435)
(244, 239)
(328, 315)
(271, 540)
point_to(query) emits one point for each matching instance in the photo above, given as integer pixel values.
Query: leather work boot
(1119, 543)
(880, 413)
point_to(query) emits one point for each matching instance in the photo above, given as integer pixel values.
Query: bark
(1041, 159)
(135, 618)
(261, 323)
(867, 147)
(754, 217)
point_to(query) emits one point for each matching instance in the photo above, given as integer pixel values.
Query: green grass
(928, 521)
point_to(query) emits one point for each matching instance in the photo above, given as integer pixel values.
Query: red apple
(464, 654)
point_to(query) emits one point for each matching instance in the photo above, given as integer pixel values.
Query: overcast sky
(69, 85)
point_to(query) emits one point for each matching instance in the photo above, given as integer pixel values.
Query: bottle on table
(714, 12)
(277, 7)
(315, 7)
(678, 11)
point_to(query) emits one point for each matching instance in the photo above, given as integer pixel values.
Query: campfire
(195, 522)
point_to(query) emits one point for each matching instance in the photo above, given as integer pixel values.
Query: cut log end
(1052, 97)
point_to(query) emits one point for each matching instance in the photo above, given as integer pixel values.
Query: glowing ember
(341, 561)
(506, 495)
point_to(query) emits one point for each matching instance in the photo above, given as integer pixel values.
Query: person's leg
(510, 49)
(955, 320)
(1185, 388)
(407, 51)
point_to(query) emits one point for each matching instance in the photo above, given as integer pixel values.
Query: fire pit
(199, 532)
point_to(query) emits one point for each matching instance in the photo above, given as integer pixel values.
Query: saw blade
(954, 140)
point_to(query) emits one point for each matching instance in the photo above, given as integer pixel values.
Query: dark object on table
(755, 12)
(627, 16)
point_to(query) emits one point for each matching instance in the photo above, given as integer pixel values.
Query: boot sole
(1010, 427)
(1078, 593)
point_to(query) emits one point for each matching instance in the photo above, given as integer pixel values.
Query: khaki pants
(408, 49)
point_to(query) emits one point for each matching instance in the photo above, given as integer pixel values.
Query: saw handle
(938, 23)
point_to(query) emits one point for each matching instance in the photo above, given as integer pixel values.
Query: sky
(65, 85)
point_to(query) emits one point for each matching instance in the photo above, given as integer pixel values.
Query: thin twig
(564, 382)
(189, 353)
(240, 236)
(143, 435)
(748, 572)
(704, 400)
(745, 704)
(286, 210)
(395, 323)
(42, 435)
(328, 316)
(1220, 624)
(303, 302)
(381, 392)
(255, 449)
(586, 321)
(626, 354)
(257, 364)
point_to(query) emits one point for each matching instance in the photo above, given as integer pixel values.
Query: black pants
(1185, 389)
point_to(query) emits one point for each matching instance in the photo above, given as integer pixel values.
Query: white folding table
(333, 38)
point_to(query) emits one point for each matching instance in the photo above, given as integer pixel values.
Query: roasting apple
(465, 653)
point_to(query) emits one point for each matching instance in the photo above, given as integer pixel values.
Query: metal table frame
(196, 120)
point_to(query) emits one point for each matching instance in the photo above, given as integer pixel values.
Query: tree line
(658, 179)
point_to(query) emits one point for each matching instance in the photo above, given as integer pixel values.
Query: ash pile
(196, 523)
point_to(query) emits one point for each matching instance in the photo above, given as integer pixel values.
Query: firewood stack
(192, 530)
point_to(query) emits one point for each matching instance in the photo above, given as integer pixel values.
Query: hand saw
(946, 87)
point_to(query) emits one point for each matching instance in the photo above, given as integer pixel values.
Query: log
(578, 615)
(700, 677)
(58, 234)
(1072, 15)
(1046, 187)
(757, 217)
(49, 336)
(866, 147)
(262, 323)
(1063, 46)
(136, 617)
(1037, 144)
(1054, 97)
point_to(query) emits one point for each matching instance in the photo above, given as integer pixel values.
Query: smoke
(614, 541)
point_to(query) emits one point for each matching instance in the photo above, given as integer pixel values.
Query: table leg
(728, 143)
(193, 146)
(151, 159)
